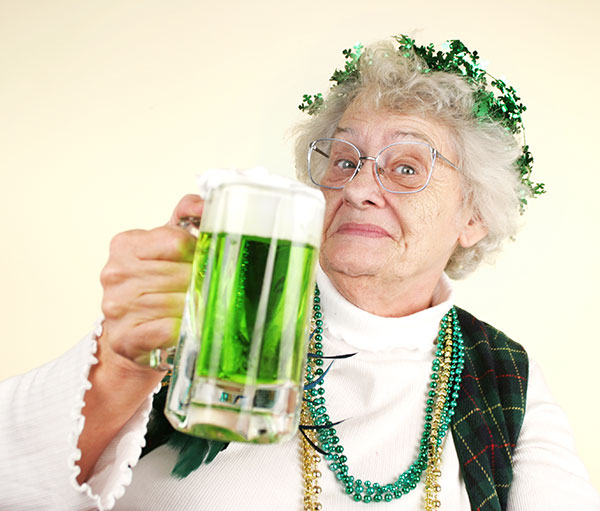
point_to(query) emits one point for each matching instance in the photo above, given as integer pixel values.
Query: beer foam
(259, 203)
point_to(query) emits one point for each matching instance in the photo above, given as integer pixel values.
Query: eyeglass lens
(401, 167)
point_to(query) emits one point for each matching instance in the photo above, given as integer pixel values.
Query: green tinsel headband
(494, 100)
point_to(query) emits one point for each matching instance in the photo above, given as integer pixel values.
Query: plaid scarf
(485, 426)
(489, 413)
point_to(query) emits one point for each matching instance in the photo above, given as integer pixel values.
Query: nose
(364, 189)
(361, 164)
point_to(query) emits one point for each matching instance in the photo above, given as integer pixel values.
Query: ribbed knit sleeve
(40, 424)
(548, 474)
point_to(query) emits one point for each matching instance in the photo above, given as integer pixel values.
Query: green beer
(253, 321)
(238, 368)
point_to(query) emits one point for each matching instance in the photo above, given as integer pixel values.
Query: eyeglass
(401, 167)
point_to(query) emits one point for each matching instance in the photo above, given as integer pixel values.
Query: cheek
(437, 202)
(426, 217)
(332, 205)
(413, 213)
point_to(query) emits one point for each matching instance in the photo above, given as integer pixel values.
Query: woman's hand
(145, 281)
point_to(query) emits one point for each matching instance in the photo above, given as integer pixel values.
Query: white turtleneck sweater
(380, 391)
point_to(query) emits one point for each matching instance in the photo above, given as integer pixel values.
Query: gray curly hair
(487, 152)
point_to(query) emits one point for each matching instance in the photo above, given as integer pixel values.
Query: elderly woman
(423, 179)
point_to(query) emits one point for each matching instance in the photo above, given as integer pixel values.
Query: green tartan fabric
(485, 426)
(490, 411)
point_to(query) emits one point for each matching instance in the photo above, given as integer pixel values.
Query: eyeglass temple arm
(440, 155)
(316, 149)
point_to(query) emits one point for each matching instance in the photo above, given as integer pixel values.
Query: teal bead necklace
(320, 434)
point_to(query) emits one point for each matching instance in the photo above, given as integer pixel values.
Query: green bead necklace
(321, 435)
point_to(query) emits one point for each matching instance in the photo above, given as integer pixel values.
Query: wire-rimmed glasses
(401, 167)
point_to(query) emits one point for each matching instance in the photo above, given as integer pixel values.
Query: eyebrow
(391, 136)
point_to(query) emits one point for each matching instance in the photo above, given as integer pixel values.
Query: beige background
(109, 108)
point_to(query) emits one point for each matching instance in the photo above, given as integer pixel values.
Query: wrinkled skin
(385, 252)
(144, 281)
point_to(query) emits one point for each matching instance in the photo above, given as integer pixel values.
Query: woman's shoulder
(482, 335)
(493, 361)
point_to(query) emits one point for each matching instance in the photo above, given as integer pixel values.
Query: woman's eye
(405, 170)
(345, 165)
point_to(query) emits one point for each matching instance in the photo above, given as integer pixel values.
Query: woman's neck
(373, 332)
(386, 298)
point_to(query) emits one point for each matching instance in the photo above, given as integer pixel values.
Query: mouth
(366, 230)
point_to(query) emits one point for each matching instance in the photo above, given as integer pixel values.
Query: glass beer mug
(238, 367)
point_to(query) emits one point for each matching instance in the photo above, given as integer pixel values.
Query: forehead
(366, 126)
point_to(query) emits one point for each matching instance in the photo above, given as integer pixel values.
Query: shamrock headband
(495, 101)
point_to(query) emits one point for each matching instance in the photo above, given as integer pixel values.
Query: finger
(163, 243)
(151, 306)
(163, 276)
(134, 341)
(132, 298)
(146, 275)
(145, 307)
(190, 205)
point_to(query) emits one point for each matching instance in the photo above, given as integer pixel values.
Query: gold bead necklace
(319, 436)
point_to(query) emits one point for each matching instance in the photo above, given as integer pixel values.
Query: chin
(351, 264)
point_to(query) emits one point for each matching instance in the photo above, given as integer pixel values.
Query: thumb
(189, 206)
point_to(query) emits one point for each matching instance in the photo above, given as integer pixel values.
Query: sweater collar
(369, 332)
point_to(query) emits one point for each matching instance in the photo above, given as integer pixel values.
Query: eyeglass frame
(361, 159)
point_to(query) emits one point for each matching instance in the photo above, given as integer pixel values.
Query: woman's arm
(116, 393)
(144, 281)
(39, 422)
(548, 474)
(71, 429)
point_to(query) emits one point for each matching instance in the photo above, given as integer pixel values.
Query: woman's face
(371, 232)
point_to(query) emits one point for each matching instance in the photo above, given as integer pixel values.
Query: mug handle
(191, 224)
(162, 359)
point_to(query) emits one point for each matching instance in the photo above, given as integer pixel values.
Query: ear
(472, 232)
